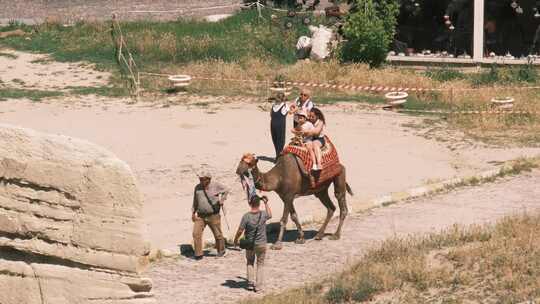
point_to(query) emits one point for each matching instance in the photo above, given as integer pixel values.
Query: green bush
(338, 294)
(506, 75)
(444, 74)
(366, 287)
(486, 78)
(369, 30)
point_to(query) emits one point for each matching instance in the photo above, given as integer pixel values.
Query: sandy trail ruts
(220, 280)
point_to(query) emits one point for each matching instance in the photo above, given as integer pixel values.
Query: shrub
(369, 29)
(366, 287)
(486, 78)
(444, 74)
(338, 294)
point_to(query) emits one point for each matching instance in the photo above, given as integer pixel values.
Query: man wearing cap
(208, 198)
(303, 104)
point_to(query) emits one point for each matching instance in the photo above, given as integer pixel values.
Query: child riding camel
(303, 127)
(316, 136)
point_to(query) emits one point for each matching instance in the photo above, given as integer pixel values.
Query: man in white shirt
(303, 103)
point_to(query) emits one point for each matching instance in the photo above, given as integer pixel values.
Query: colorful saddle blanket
(330, 161)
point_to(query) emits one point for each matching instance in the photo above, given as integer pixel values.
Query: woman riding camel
(316, 134)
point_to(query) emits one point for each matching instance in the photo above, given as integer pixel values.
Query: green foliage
(338, 293)
(157, 44)
(444, 74)
(365, 288)
(506, 75)
(489, 77)
(369, 30)
(34, 95)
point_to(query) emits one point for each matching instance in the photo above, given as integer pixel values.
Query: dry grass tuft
(487, 264)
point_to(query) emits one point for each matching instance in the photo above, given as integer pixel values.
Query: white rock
(217, 17)
(320, 39)
(70, 222)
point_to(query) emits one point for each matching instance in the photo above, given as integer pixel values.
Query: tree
(369, 29)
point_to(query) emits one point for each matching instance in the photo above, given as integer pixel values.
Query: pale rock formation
(320, 40)
(70, 223)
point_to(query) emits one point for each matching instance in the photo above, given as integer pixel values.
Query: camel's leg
(330, 208)
(294, 217)
(282, 226)
(340, 191)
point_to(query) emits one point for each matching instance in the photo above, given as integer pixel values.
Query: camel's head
(248, 161)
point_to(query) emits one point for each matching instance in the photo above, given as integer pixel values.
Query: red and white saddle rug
(330, 161)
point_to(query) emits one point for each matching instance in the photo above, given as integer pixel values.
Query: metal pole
(478, 37)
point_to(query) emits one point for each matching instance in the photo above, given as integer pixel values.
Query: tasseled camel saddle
(330, 161)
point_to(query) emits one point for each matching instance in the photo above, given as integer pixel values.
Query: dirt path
(215, 280)
(32, 11)
(163, 145)
(164, 140)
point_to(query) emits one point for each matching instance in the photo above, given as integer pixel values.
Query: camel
(286, 178)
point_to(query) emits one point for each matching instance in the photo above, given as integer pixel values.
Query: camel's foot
(276, 246)
(335, 237)
(319, 236)
(300, 241)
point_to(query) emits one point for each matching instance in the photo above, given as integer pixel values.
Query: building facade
(468, 31)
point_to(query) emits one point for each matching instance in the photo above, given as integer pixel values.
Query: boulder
(70, 223)
(303, 47)
(320, 40)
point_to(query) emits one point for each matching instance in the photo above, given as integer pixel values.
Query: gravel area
(221, 280)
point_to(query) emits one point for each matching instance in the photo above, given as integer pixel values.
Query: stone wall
(70, 223)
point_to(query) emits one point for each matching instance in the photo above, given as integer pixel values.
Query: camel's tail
(349, 189)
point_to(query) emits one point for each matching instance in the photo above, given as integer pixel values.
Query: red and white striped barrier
(352, 87)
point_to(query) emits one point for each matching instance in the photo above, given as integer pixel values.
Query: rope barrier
(376, 107)
(187, 9)
(352, 87)
(470, 112)
(259, 6)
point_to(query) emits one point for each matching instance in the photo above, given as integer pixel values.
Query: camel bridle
(252, 164)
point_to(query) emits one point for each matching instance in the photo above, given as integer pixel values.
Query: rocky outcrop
(70, 223)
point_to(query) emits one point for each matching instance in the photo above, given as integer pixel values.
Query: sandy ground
(164, 141)
(33, 11)
(164, 144)
(222, 280)
(27, 71)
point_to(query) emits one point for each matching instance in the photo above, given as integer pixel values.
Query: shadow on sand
(241, 283)
(272, 231)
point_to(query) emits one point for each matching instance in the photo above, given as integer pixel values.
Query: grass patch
(249, 48)
(117, 91)
(444, 74)
(45, 60)
(159, 44)
(34, 95)
(8, 55)
(490, 264)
